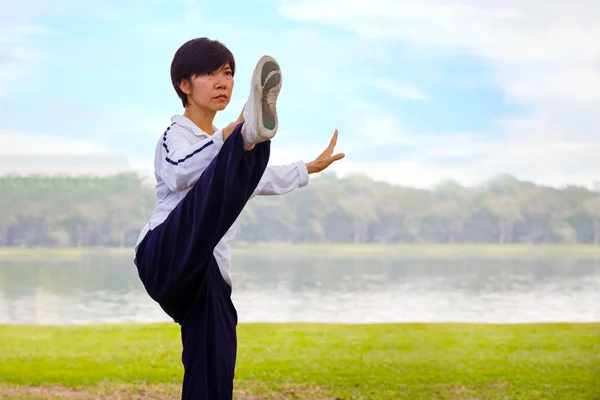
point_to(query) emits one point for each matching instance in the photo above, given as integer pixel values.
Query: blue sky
(419, 93)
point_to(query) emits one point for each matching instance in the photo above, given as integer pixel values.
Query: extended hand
(326, 158)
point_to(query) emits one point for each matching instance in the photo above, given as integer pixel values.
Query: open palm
(326, 158)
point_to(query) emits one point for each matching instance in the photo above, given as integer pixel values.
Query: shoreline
(339, 250)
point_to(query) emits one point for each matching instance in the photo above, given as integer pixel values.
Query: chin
(221, 107)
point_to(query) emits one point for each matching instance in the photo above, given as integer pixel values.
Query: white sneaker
(260, 112)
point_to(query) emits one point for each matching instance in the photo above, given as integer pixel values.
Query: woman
(205, 176)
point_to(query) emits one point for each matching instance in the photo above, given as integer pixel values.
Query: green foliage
(111, 211)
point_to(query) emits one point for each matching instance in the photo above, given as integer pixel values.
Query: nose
(221, 81)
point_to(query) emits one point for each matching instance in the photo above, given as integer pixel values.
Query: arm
(182, 163)
(282, 179)
(285, 178)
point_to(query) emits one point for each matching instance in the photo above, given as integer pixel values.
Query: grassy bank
(439, 361)
(338, 250)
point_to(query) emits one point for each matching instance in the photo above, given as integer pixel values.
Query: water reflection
(106, 289)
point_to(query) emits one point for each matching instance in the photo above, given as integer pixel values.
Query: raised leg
(172, 258)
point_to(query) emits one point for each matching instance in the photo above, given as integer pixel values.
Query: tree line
(110, 211)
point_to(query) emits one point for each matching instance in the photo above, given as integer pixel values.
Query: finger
(336, 157)
(330, 160)
(333, 140)
(329, 150)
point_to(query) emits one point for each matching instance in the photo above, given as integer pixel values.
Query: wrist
(310, 167)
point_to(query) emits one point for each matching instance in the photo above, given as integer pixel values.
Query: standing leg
(209, 339)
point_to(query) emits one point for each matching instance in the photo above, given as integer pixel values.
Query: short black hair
(198, 56)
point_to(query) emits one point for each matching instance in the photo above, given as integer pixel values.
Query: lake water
(96, 289)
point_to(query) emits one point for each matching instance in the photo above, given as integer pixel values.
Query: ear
(186, 86)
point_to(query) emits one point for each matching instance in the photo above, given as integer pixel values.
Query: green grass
(404, 361)
(338, 250)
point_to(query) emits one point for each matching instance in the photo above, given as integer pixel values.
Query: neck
(202, 118)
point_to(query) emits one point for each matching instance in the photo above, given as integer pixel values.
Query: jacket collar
(189, 125)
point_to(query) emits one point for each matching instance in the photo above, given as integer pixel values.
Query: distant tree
(110, 211)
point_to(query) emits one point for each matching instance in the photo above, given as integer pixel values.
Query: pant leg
(209, 338)
(172, 259)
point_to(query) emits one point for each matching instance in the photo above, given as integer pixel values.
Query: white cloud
(399, 90)
(405, 173)
(543, 55)
(15, 62)
(30, 153)
(19, 59)
(31, 143)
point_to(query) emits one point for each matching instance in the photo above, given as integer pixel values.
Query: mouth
(221, 97)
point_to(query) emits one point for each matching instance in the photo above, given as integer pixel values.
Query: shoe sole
(266, 84)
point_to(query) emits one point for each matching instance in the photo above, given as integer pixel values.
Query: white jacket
(182, 153)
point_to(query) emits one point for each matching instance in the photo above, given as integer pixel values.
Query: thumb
(331, 159)
(338, 156)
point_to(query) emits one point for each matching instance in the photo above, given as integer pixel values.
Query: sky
(421, 92)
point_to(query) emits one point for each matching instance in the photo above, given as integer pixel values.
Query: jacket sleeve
(282, 179)
(182, 163)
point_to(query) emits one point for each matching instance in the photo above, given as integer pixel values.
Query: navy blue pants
(176, 265)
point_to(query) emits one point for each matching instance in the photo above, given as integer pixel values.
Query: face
(210, 91)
